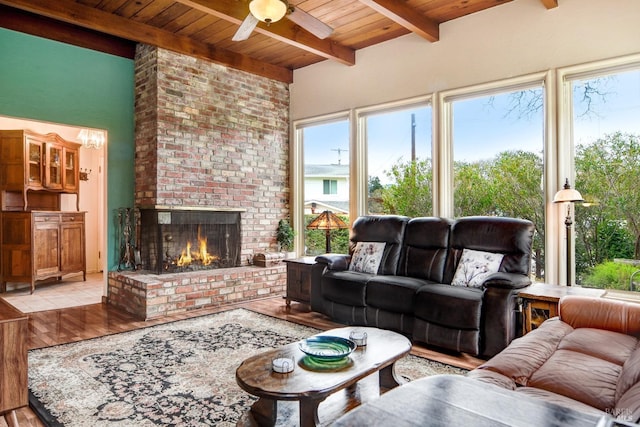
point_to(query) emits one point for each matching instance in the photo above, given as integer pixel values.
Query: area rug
(179, 374)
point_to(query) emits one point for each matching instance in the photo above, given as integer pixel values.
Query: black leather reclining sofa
(411, 292)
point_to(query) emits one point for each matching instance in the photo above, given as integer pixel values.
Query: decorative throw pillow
(474, 267)
(367, 256)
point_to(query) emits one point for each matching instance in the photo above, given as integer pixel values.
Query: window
(606, 157)
(325, 181)
(498, 168)
(399, 173)
(330, 186)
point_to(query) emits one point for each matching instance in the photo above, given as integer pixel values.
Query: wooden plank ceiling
(204, 28)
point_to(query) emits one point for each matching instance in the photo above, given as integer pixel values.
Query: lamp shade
(327, 220)
(268, 10)
(567, 194)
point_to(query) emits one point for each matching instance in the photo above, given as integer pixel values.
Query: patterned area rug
(179, 374)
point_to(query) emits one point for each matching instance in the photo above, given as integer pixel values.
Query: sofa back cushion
(425, 248)
(600, 313)
(512, 237)
(389, 229)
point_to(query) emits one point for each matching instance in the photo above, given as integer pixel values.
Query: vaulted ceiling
(205, 28)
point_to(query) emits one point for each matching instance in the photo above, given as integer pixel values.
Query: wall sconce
(84, 174)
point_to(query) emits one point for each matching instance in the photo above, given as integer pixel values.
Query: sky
(481, 127)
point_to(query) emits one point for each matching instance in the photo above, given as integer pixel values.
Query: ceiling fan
(269, 11)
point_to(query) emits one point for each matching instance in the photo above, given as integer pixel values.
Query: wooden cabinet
(40, 244)
(299, 280)
(35, 169)
(14, 331)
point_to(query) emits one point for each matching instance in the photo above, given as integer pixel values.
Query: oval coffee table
(310, 387)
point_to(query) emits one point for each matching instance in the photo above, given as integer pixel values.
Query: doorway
(92, 199)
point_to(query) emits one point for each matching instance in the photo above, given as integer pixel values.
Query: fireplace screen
(174, 241)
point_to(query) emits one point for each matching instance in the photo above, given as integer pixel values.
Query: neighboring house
(326, 187)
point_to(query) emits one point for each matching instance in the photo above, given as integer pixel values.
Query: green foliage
(285, 235)
(607, 176)
(610, 275)
(411, 191)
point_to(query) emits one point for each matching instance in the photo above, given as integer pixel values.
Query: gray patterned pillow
(474, 267)
(367, 256)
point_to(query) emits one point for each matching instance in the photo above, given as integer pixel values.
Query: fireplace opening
(173, 241)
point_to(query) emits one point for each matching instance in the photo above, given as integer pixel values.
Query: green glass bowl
(325, 348)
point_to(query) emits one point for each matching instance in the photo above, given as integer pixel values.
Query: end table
(540, 301)
(299, 280)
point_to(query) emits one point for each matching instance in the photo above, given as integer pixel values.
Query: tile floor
(70, 292)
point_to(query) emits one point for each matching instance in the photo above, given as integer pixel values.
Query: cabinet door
(16, 246)
(72, 246)
(71, 171)
(46, 240)
(53, 166)
(34, 159)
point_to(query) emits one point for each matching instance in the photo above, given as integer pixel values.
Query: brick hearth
(147, 296)
(208, 137)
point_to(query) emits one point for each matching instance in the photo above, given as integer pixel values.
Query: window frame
(557, 139)
(565, 76)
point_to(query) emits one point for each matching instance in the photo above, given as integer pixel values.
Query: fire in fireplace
(173, 240)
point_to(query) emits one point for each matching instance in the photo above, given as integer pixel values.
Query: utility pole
(413, 137)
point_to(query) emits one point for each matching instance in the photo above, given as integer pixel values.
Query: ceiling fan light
(268, 10)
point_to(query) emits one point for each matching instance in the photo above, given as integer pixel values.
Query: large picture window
(397, 143)
(498, 166)
(326, 181)
(606, 140)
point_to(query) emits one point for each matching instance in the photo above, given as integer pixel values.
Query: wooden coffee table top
(255, 375)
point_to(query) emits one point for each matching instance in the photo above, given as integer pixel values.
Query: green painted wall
(50, 81)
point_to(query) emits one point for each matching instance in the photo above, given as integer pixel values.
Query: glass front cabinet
(36, 169)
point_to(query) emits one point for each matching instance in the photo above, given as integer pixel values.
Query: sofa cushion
(588, 380)
(367, 256)
(426, 245)
(393, 293)
(452, 306)
(509, 236)
(475, 266)
(381, 228)
(345, 287)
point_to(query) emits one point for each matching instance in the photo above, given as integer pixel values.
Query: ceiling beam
(284, 31)
(550, 4)
(406, 16)
(74, 13)
(37, 25)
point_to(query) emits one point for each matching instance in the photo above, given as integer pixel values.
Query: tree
(607, 175)
(410, 192)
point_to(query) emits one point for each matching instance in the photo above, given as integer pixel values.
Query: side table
(540, 301)
(299, 280)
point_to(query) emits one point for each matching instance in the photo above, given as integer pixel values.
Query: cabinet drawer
(46, 218)
(72, 217)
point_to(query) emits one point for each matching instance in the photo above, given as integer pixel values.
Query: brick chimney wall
(214, 137)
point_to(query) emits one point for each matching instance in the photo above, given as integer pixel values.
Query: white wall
(509, 40)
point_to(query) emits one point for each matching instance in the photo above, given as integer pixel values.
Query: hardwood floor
(48, 328)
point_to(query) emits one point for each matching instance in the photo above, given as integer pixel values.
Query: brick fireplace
(208, 138)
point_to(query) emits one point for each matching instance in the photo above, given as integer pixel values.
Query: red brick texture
(213, 137)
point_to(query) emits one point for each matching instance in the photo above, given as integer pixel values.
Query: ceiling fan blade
(246, 28)
(310, 23)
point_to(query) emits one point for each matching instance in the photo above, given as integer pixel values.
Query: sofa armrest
(507, 281)
(334, 261)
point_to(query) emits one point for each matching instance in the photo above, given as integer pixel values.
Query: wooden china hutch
(37, 240)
